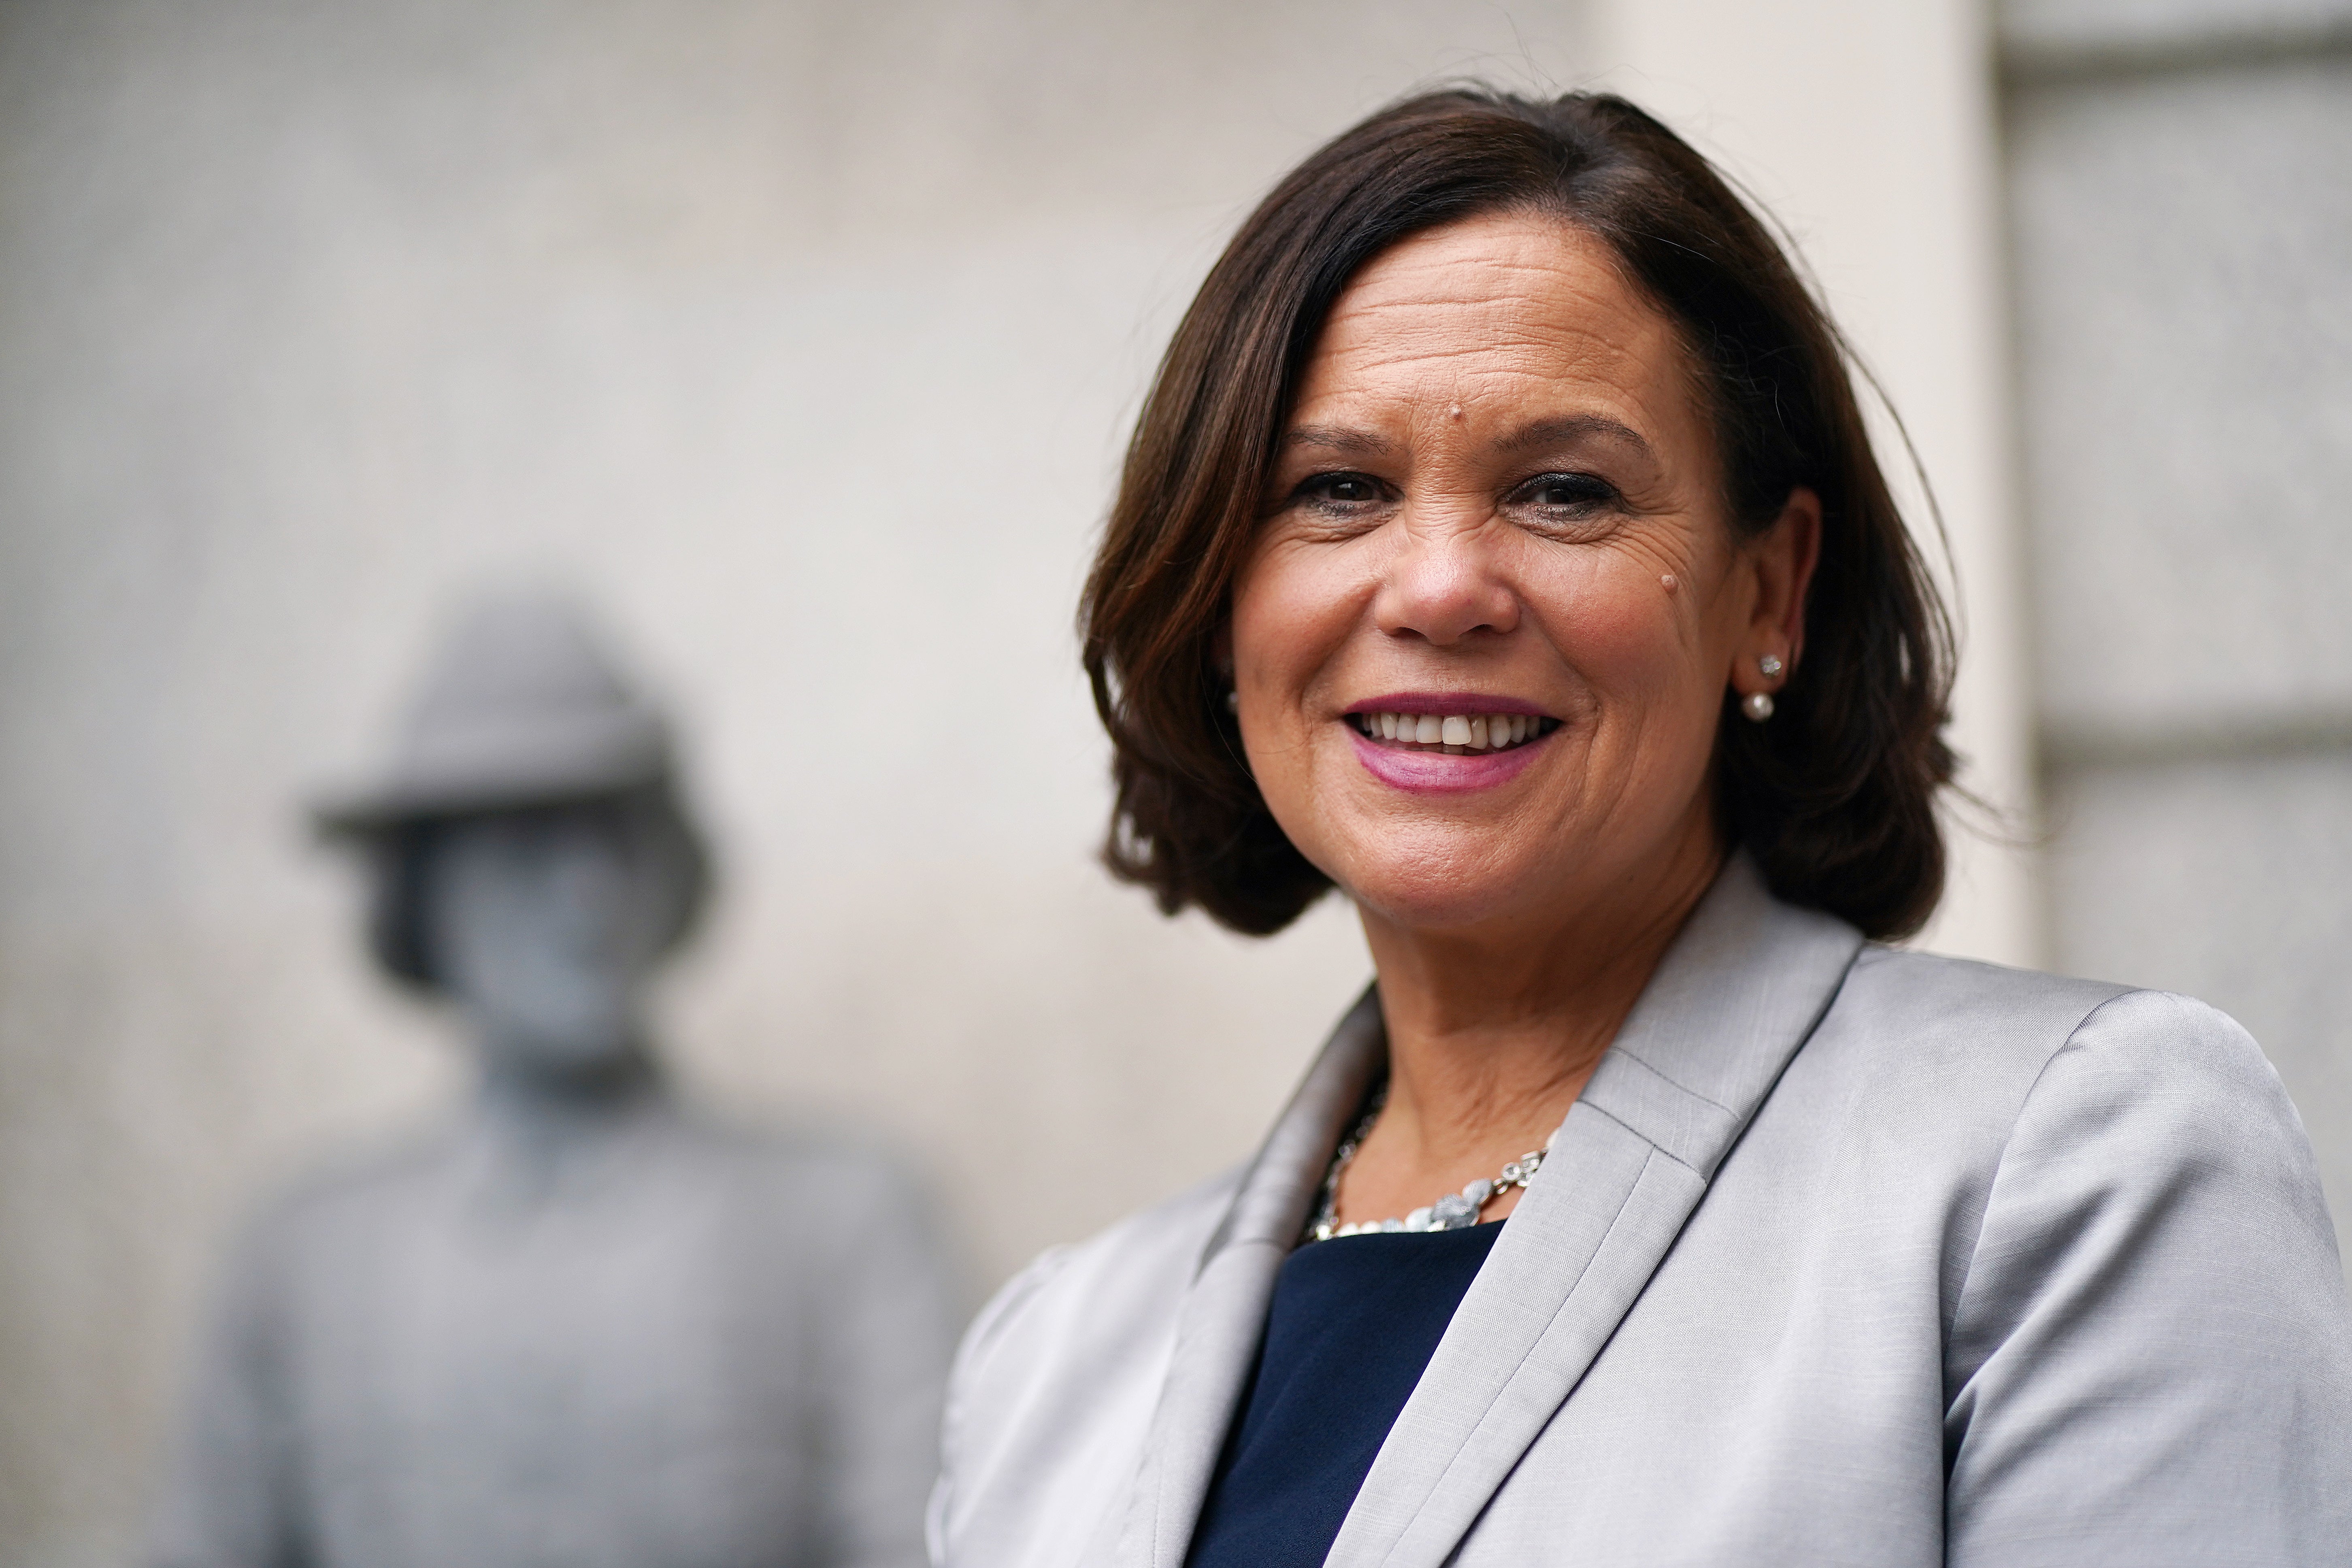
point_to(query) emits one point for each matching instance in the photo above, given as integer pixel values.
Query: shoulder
(1962, 1045)
(2032, 1100)
(339, 1204)
(1929, 1060)
(2042, 1043)
(2018, 1015)
(805, 1158)
(2134, 1256)
(2159, 1100)
(2141, 1042)
(2122, 1146)
(2153, 1278)
(1056, 1379)
(2003, 1059)
(335, 1188)
(841, 1211)
(1105, 1296)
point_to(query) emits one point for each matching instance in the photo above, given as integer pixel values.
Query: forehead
(1505, 302)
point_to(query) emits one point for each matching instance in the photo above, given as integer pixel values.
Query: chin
(606, 1050)
(1450, 887)
(1422, 907)
(572, 1047)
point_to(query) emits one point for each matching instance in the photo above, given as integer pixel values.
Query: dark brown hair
(1834, 797)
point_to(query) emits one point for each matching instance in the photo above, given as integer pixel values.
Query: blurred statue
(579, 1326)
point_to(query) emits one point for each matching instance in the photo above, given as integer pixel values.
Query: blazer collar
(1737, 995)
(1224, 1312)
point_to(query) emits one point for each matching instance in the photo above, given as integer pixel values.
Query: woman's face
(1498, 516)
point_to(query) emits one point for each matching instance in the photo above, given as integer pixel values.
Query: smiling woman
(1494, 471)
(1501, 544)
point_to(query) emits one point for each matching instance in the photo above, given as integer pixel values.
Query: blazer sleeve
(2150, 1360)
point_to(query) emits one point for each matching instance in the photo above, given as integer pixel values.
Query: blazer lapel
(1740, 990)
(1224, 1313)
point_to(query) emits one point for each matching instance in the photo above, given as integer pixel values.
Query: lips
(1429, 743)
(1453, 734)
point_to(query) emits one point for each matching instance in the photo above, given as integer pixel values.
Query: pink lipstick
(1443, 742)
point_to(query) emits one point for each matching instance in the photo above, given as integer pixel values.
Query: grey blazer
(1845, 1256)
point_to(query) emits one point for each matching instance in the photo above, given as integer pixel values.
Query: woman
(1501, 545)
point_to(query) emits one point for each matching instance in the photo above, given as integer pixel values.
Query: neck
(1493, 1032)
(550, 1105)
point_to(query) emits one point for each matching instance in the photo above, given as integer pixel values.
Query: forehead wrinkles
(1445, 309)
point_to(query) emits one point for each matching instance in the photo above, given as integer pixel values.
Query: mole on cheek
(1666, 581)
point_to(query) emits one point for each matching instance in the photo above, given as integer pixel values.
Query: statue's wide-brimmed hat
(520, 707)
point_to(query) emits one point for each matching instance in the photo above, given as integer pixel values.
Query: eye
(1339, 491)
(1566, 492)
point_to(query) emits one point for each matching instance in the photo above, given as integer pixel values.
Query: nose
(588, 889)
(1444, 585)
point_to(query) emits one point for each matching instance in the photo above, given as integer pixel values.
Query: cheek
(1291, 608)
(1623, 634)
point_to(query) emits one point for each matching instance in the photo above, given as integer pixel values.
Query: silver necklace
(1454, 1211)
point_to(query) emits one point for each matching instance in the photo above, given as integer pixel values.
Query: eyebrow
(1574, 426)
(1337, 438)
(1536, 433)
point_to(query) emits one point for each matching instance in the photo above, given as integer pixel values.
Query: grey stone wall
(2180, 185)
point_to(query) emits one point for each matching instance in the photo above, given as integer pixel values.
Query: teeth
(1455, 732)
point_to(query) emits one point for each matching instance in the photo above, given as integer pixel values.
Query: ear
(1782, 558)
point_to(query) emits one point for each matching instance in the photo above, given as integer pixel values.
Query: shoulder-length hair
(1834, 797)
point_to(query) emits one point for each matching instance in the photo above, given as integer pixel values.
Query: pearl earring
(1757, 705)
(1233, 700)
(1772, 666)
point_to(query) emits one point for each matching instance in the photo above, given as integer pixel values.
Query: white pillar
(1867, 128)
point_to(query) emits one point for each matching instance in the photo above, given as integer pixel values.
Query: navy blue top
(1353, 1323)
